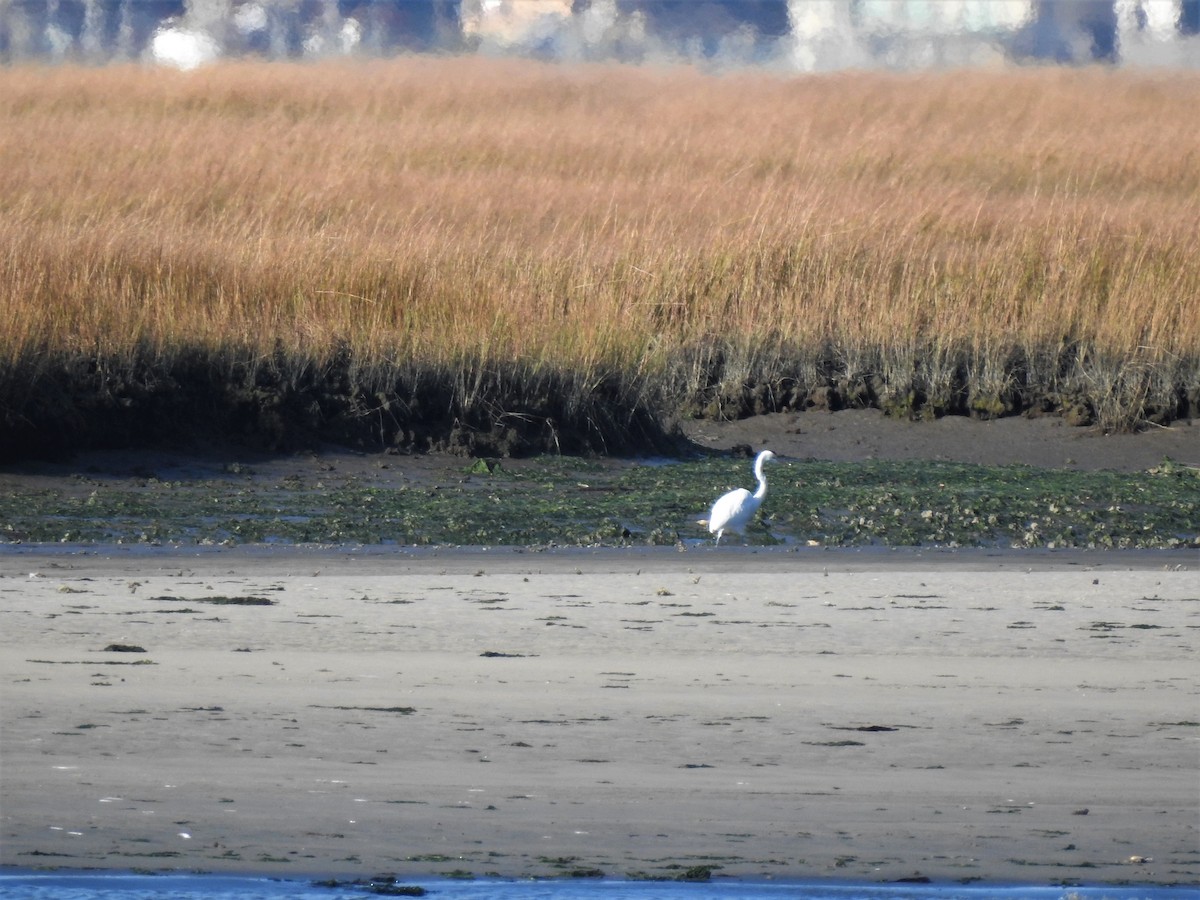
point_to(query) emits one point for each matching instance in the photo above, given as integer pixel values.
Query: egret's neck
(762, 480)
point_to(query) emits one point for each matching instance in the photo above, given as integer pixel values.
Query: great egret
(732, 511)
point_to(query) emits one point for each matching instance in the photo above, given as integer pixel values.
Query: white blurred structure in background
(788, 35)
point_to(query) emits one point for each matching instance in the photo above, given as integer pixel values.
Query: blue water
(93, 886)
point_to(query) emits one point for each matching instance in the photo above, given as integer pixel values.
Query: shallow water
(126, 886)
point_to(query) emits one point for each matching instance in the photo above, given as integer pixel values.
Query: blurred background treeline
(797, 35)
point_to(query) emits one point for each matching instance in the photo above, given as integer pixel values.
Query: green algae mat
(574, 502)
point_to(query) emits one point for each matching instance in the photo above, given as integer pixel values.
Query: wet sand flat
(960, 716)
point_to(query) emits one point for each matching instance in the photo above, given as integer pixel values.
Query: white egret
(732, 511)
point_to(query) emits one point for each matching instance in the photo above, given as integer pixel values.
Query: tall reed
(960, 242)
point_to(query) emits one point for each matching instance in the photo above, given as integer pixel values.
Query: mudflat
(854, 435)
(874, 714)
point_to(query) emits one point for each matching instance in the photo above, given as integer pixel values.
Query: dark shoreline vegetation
(450, 254)
(559, 501)
(55, 404)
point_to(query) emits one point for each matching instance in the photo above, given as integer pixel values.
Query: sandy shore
(954, 715)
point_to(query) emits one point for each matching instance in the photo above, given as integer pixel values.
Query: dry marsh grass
(579, 253)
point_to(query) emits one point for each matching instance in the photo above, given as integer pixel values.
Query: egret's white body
(732, 511)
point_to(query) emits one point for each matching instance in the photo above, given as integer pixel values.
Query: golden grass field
(491, 231)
